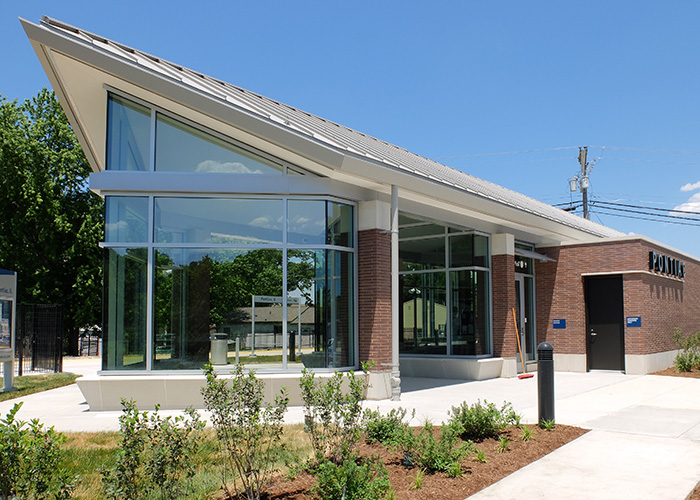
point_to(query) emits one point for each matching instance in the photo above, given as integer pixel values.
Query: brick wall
(503, 300)
(374, 283)
(662, 302)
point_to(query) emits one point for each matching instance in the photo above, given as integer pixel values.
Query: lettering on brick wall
(666, 265)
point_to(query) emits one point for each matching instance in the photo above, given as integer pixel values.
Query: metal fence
(39, 338)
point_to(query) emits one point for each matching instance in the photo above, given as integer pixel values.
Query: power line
(647, 213)
(645, 208)
(653, 220)
(544, 150)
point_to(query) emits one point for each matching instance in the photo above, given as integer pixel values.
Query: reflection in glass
(126, 219)
(306, 222)
(469, 312)
(128, 135)
(199, 292)
(5, 324)
(422, 254)
(340, 225)
(183, 148)
(467, 250)
(423, 315)
(218, 220)
(126, 297)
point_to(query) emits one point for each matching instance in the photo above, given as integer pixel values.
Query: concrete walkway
(644, 441)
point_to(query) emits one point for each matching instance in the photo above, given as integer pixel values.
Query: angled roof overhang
(82, 67)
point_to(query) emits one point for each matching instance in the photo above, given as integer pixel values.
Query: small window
(126, 219)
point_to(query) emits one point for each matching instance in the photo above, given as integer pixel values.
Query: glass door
(524, 314)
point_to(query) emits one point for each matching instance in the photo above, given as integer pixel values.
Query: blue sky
(460, 82)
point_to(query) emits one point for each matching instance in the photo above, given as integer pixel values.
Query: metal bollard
(545, 381)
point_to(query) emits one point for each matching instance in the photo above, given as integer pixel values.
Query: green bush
(30, 460)
(354, 479)
(480, 421)
(333, 417)
(440, 454)
(689, 356)
(154, 456)
(247, 431)
(387, 429)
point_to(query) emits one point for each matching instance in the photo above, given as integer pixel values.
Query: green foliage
(526, 434)
(154, 457)
(547, 425)
(333, 417)
(30, 460)
(390, 429)
(689, 356)
(480, 456)
(51, 222)
(480, 421)
(353, 479)
(443, 453)
(502, 445)
(248, 432)
(418, 481)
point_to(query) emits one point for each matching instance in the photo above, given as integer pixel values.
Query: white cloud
(691, 187)
(692, 205)
(260, 222)
(227, 167)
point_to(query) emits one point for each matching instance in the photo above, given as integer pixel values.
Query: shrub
(689, 355)
(387, 429)
(440, 454)
(154, 457)
(333, 417)
(247, 431)
(354, 479)
(480, 421)
(30, 459)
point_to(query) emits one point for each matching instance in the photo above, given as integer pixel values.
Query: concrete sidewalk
(644, 441)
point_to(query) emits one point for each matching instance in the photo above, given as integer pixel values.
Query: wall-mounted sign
(634, 321)
(559, 324)
(666, 265)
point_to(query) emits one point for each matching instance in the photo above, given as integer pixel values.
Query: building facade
(300, 243)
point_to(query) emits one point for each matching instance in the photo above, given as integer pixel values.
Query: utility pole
(583, 182)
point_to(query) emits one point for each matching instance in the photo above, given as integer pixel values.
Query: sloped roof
(335, 136)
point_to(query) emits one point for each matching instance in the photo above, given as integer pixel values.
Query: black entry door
(604, 323)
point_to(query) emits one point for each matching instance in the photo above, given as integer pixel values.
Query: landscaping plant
(30, 460)
(689, 356)
(333, 417)
(154, 456)
(479, 421)
(354, 479)
(389, 429)
(247, 431)
(443, 453)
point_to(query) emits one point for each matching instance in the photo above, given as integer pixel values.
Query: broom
(524, 374)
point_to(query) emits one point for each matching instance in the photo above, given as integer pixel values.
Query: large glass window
(218, 268)
(444, 284)
(211, 220)
(128, 135)
(183, 148)
(126, 302)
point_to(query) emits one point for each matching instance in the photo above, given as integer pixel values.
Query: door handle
(593, 336)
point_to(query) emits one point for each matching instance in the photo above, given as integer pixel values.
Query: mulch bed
(440, 486)
(671, 372)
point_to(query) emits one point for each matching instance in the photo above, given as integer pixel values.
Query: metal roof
(343, 139)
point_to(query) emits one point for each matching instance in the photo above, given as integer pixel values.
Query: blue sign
(559, 324)
(633, 321)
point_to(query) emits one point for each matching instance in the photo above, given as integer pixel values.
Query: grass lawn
(29, 384)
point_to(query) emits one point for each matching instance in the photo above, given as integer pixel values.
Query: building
(216, 195)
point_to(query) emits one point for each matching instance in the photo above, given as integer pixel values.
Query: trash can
(219, 349)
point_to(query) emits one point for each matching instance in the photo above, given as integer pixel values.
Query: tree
(50, 222)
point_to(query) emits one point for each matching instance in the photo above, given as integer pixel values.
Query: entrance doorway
(604, 323)
(524, 314)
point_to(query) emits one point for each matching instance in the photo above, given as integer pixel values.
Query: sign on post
(8, 293)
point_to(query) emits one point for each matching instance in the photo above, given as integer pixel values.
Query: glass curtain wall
(207, 286)
(444, 284)
(268, 281)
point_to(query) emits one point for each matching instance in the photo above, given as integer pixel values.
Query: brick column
(503, 296)
(374, 296)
